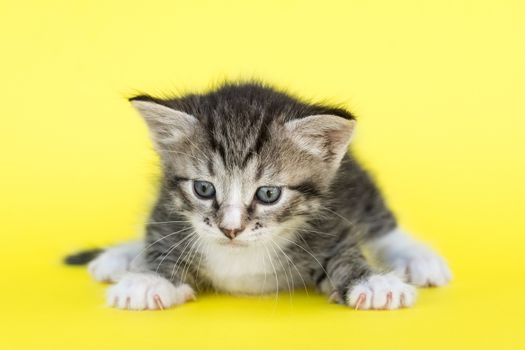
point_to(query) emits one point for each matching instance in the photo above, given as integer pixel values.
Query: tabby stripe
(261, 138)
(309, 189)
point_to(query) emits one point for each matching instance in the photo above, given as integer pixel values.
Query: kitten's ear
(325, 135)
(166, 125)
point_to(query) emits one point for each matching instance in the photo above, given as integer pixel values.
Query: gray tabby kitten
(260, 194)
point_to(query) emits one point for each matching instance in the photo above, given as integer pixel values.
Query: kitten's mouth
(232, 243)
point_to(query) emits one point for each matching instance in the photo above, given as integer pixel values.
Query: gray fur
(250, 131)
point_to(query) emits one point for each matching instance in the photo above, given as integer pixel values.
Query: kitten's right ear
(166, 125)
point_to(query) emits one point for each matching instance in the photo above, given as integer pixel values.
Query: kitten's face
(242, 173)
(265, 200)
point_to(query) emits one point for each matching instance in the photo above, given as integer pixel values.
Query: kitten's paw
(420, 266)
(411, 260)
(109, 266)
(381, 292)
(141, 291)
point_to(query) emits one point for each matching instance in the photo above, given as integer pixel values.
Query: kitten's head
(246, 164)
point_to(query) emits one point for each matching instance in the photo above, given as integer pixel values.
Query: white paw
(142, 291)
(420, 266)
(381, 292)
(411, 260)
(109, 266)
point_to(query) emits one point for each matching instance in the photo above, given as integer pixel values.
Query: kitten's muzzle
(231, 233)
(232, 220)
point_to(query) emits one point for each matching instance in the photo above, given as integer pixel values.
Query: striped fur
(246, 135)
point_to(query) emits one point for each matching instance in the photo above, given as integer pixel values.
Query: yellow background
(439, 89)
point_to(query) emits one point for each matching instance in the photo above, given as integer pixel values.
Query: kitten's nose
(231, 233)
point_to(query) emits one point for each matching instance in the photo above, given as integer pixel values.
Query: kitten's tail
(82, 257)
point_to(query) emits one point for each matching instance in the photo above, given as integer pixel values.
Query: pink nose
(231, 233)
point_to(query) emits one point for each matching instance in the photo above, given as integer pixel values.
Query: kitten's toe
(108, 267)
(141, 291)
(422, 267)
(381, 292)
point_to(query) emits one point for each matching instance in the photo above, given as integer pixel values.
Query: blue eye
(268, 194)
(204, 189)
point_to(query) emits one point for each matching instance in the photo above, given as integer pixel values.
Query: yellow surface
(439, 88)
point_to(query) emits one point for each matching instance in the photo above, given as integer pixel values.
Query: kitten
(260, 194)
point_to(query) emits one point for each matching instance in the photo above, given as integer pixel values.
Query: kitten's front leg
(350, 280)
(115, 261)
(410, 259)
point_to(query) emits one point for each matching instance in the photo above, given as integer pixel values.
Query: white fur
(114, 262)
(233, 205)
(147, 291)
(410, 259)
(232, 217)
(254, 269)
(381, 292)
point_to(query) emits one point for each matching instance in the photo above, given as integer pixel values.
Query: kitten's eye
(268, 194)
(204, 189)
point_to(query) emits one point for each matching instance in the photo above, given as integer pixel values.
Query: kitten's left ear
(166, 125)
(326, 136)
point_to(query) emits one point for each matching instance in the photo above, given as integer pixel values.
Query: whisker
(181, 255)
(188, 242)
(186, 253)
(275, 274)
(339, 215)
(172, 248)
(290, 261)
(318, 262)
(285, 273)
(193, 250)
(319, 232)
(301, 237)
(202, 255)
(158, 240)
(264, 264)
(166, 222)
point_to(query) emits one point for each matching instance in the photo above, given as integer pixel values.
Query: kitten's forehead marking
(233, 191)
(236, 197)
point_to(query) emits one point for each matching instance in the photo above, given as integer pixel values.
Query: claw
(360, 300)
(158, 301)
